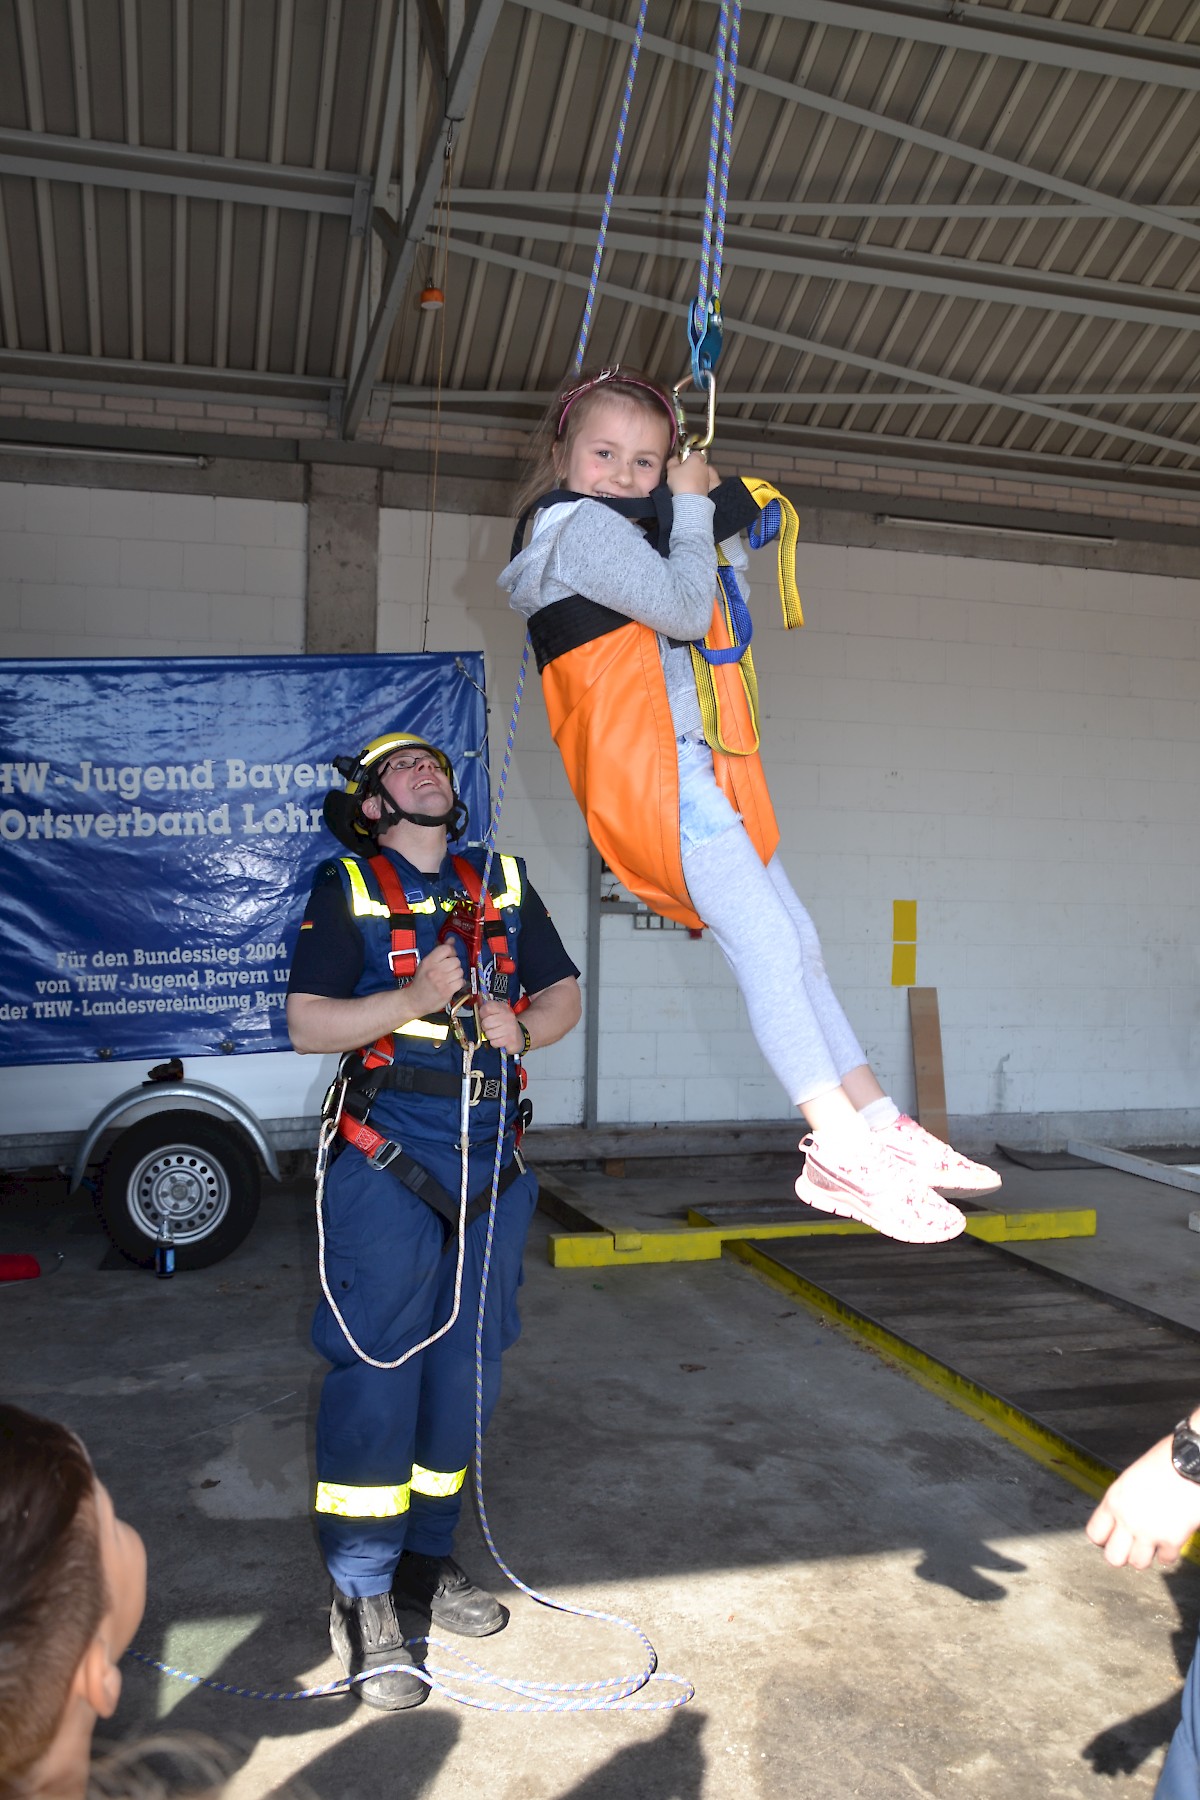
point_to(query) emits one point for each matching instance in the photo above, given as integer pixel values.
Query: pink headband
(615, 377)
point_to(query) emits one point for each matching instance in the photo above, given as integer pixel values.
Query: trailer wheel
(186, 1166)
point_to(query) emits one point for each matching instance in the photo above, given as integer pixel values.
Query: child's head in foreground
(72, 1593)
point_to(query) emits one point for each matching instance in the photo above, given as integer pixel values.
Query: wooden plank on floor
(1145, 1166)
(927, 1060)
(1080, 1367)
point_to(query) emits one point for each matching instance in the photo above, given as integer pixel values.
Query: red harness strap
(403, 957)
(493, 924)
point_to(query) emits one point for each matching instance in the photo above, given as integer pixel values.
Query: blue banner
(160, 825)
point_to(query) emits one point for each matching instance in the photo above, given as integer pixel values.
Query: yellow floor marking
(1041, 1442)
(702, 1242)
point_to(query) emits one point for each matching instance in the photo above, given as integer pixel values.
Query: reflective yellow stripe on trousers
(362, 1502)
(435, 1484)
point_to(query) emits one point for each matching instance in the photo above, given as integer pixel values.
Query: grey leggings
(772, 946)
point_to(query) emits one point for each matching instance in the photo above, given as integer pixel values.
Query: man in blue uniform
(1151, 1511)
(382, 956)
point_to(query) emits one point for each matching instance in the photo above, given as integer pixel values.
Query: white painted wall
(114, 572)
(1015, 747)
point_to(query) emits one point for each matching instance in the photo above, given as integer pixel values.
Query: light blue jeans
(704, 811)
(765, 935)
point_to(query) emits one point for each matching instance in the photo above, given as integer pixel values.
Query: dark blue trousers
(1180, 1778)
(392, 1276)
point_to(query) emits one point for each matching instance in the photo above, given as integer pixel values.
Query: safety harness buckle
(385, 1154)
(378, 1150)
(484, 1087)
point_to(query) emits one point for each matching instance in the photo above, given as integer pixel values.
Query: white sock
(843, 1135)
(880, 1114)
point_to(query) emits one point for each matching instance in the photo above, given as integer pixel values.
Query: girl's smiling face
(618, 451)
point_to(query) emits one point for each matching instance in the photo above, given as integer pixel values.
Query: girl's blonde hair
(550, 447)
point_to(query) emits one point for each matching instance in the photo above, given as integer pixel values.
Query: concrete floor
(872, 1594)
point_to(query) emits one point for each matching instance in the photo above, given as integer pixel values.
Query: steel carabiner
(701, 441)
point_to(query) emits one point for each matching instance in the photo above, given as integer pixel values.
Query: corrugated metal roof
(968, 236)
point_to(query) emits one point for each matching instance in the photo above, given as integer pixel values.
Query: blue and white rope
(580, 349)
(494, 823)
(615, 1693)
(607, 1695)
(626, 97)
(716, 198)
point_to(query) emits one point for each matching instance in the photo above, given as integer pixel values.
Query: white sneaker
(861, 1181)
(935, 1163)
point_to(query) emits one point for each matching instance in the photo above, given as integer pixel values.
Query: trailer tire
(200, 1168)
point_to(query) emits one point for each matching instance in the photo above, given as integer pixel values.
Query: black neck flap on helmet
(343, 811)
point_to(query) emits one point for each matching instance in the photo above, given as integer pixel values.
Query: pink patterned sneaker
(876, 1188)
(935, 1163)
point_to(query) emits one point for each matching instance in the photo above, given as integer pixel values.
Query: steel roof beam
(590, 205)
(433, 38)
(179, 204)
(87, 193)
(467, 63)
(44, 206)
(42, 156)
(421, 396)
(383, 87)
(159, 380)
(135, 289)
(925, 453)
(955, 150)
(231, 81)
(966, 392)
(8, 294)
(306, 284)
(987, 31)
(277, 123)
(838, 266)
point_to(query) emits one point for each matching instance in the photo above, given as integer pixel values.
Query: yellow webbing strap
(789, 599)
(706, 687)
(789, 539)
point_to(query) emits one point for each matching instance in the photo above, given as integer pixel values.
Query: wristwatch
(1185, 1451)
(528, 1045)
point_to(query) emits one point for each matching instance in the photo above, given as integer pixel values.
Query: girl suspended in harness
(618, 584)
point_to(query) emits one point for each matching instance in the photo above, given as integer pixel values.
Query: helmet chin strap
(455, 820)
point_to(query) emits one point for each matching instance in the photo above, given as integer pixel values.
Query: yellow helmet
(364, 776)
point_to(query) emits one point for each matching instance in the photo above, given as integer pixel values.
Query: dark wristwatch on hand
(1185, 1451)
